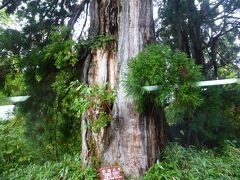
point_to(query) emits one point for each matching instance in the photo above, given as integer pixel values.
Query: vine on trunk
(96, 103)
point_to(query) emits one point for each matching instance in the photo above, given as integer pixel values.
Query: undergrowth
(20, 160)
(68, 168)
(190, 163)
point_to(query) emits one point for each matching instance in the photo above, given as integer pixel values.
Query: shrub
(173, 72)
(218, 117)
(13, 148)
(96, 103)
(20, 160)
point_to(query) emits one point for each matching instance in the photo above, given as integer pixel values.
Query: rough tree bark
(132, 140)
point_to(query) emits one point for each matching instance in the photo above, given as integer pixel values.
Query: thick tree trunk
(132, 140)
(99, 68)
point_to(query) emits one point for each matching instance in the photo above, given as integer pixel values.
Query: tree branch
(50, 8)
(3, 5)
(227, 17)
(217, 5)
(78, 10)
(223, 33)
(84, 24)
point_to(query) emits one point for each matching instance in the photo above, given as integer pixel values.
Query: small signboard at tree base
(111, 173)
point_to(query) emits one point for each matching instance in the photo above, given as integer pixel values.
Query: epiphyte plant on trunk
(94, 102)
(173, 72)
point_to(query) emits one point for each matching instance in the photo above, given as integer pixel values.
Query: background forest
(44, 48)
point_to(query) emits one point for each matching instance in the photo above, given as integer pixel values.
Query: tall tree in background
(200, 28)
(207, 31)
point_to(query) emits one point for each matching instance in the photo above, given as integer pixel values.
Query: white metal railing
(200, 84)
(15, 99)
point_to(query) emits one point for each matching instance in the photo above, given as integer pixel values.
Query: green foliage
(189, 163)
(5, 19)
(61, 49)
(3, 100)
(102, 121)
(20, 160)
(93, 96)
(100, 41)
(218, 117)
(172, 71)
(68, 168)
(13, 148)
(95, 102)
(95, 42)
(14, 84)
(44, 72)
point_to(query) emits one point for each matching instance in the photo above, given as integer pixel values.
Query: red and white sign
(111, 173)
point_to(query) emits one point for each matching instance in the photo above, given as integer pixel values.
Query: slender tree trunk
(179, 25)
(132, 140)
(213, 60)
(194, 26)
